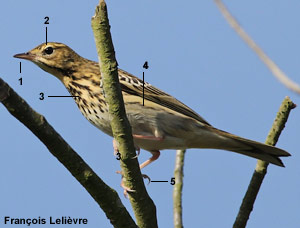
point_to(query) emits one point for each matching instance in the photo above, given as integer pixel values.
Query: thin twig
(261, 167)
(277, 72)
(177, 192)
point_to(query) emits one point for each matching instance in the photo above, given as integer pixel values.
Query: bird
(163, 122)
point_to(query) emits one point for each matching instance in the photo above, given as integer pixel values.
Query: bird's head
(55, 58)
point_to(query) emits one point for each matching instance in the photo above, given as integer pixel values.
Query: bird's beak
(27, 56)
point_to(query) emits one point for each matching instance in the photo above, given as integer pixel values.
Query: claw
(145, 176)
(138, 150)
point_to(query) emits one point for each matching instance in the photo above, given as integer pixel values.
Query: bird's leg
(126, 189)
(144, 137)
(155, 156)
(116, 151)
(116, 147)
(149, 137)
(155, 153)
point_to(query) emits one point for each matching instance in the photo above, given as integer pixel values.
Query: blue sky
(194, 55)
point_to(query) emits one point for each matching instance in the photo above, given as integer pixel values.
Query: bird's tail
(226, 141)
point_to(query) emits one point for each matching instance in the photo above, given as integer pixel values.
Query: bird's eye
(48, 50)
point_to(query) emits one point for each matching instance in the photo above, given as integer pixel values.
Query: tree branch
(277, 72)
(177, 192)
(106, 197)
(143, 206)
(261, 167)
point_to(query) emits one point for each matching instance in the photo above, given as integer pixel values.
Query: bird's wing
(134, 86)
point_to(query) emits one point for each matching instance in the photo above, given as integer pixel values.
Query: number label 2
(46, 21)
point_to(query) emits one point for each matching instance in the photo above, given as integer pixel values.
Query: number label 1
(21, 81)
(42, 97)
(46, 21)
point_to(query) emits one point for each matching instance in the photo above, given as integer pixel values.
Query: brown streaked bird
(162, 123)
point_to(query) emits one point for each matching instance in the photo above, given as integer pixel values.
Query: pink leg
(116, 149)
(155, 156)
(145, 137)
(148, 137)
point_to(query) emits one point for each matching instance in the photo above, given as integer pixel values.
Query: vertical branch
(177, 192)
(143, 206)
(261, 167)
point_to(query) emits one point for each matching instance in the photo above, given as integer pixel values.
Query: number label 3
(42, 97)
(118, 156)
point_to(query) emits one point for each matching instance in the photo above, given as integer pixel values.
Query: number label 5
(172, 182)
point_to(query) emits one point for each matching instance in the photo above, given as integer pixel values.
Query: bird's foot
(138, 152)
(126, 190)
(116, 147)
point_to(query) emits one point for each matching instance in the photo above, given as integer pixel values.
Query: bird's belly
(96, 114)
(100, 120)
(157, 129)
(101, 123)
